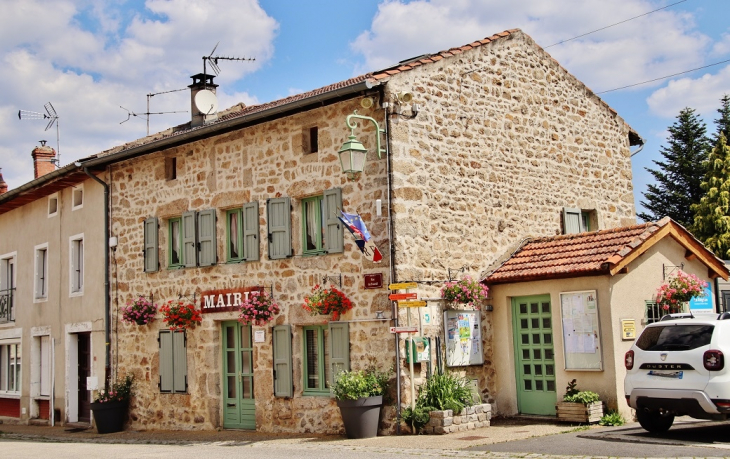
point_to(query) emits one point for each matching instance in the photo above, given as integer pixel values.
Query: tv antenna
(213, 61)
(146, 115)
(52, 116)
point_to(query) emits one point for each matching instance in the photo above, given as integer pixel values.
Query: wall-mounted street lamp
(353, 153)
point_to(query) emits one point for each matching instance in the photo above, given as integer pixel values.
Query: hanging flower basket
(679, 289)
(180, 314)
(258, 309)
(465, 291)
(141, 311)
(327, 301)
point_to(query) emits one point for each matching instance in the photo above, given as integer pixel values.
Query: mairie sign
(403, 286)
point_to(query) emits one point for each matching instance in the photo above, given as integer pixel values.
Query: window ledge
(10, 395)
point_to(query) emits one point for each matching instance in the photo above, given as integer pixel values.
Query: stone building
(482, 145)
(53, 326)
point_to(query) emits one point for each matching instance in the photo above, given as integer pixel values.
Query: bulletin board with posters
(463, 341)
(581, 331)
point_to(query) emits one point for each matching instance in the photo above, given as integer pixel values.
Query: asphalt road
(687, 438)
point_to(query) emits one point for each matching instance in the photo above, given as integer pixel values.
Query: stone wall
(470, 418)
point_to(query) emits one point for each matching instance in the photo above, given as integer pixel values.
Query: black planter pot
(361, 416)
(109, 416)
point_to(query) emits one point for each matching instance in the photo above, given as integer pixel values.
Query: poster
(462, 330)
(581, 331)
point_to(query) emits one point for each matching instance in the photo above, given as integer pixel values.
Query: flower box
(579, 412)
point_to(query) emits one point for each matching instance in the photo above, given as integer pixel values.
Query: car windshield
(673, 337)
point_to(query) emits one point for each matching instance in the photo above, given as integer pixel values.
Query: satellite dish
(206, 102)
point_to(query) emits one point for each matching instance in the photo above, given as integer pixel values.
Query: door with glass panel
(239, 409)
(534, 355)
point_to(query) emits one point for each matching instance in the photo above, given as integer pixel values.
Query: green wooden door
(534, 356)
(239, 408)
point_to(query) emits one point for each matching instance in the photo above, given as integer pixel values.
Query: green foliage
(119, 391)
(712, 214)
(440, 392)
(572, 394)
(678, 178)
(723, 123)
(352, 385)
(612, 418)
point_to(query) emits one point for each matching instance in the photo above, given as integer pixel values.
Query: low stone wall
(470, 418)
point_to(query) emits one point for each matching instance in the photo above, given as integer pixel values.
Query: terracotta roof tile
(572, 255)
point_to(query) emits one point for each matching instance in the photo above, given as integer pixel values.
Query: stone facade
(505, 139)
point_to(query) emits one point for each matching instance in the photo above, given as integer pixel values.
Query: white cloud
(702, 93)
(722, 47)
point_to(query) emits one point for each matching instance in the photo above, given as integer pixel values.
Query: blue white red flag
(354, 223)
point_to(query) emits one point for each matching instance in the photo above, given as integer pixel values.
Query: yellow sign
(403, 286)
(412, 304)
(628, 329)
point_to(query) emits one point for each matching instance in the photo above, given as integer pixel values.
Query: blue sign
(704, 302)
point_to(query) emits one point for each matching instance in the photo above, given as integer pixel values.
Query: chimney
(44, 160)
(203, 102)
(3, 185)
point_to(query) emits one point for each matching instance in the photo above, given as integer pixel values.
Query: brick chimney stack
(3, 185)
(43, 159)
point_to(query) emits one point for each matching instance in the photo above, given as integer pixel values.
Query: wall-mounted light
(353, 153)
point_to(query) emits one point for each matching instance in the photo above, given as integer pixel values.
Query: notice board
(581, 330)
(463, 338)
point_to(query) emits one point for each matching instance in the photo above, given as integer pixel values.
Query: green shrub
(352, 385)
(612, 418)
(572, 394)
(418, 417)
(438, 393)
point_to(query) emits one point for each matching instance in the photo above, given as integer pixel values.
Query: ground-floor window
(10, 366)
(173, 361)
(316, 359)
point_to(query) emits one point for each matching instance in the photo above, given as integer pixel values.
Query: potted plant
(465, 291)
(140, 311)
(180, 314)
(327, 301)
(258, 309)
(359, 396)
(673, 294)
(110, 406)
(579, 405)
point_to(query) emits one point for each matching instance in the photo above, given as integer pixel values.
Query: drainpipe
(107, 303)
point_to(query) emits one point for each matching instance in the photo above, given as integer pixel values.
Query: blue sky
(90, 57)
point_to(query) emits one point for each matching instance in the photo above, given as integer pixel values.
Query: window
(76, 255)
(192, 239)
(171, 168)
(151, 257)
(278, 220)
(325, 353)
(310, 140)
(322, 231)
(7, 288)
(579, 221)
(41, 272)
(175, 248)
(77, 197)
(654, 312)
(10, 366)
(173, 362)
(242, 229)
(53, 205)
(41, 374)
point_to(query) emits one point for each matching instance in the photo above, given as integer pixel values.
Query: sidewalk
(501, 430)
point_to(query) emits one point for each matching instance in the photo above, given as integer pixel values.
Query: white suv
(677, 368)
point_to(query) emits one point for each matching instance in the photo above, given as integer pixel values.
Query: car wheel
(653, 421)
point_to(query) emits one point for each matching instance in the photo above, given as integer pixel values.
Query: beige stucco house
(482, 146)
(569, 307)
(52, 294)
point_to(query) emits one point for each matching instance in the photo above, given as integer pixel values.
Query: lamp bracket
(454, 271)
(380, 132)
(671, 269)
(333, 280)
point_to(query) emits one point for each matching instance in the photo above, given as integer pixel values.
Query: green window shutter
(572, 222)
(190, 252)
(180, 362)
(166, 361)
(251, 231)
(207, 243)
(279, 227)
(151, 260)
(281, 337)
(339, 348)
(332, 203)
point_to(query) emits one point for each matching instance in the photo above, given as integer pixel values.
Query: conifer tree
(723, 123)
(712, 214)
(679, 176)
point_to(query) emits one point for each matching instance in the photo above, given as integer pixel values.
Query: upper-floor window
(192, 239)
(322, 231)
(76, 264)
(171, 168)
(77, 197)
(310, 140)
(174, 246)
(242, 231)
(10, 366)
(7, 288)
(41, 272)
(578, 220)
(53, 205)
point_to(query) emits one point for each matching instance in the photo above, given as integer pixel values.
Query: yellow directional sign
(412, 304)
(403, 286)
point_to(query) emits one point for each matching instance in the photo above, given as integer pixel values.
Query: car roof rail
(724, 316)
(678, 315)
